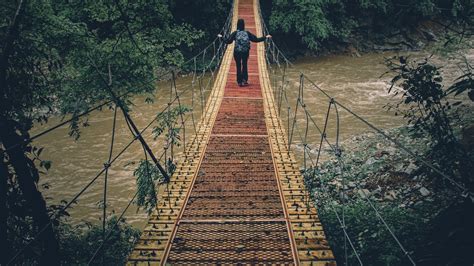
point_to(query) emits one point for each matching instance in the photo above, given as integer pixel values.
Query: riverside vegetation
(431, 217)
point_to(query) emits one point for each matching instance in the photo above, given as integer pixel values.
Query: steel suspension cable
(337, 153)
(86, 187)
(110, 161)
(341, 222)
(104, 207)
(224, 30)
(464, 191)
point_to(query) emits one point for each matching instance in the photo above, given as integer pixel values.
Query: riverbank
(375, 174)
(423, 36)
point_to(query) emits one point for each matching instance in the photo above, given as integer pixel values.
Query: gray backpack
(242, 41)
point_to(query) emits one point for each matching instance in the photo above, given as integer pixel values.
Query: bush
(79, 243)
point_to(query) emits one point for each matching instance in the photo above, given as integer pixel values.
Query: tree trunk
(26, 174)
(4, 245)
(23, 167)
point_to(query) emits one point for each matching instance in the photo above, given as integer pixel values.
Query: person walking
(242, 40)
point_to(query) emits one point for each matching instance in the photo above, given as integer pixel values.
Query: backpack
(242, 41)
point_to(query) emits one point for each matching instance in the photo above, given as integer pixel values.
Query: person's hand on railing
(268, 36)
(219, 35)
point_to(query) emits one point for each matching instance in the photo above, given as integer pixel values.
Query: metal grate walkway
(237, 197)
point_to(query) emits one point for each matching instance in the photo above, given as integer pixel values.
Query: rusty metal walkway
(237, 196)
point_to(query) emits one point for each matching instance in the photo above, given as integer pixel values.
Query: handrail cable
(73, 200)
(138, 134)
(336, 150)
(99, 106)
(464, 191)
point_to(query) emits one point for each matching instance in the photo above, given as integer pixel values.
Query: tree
(54, 56)
(319, 24)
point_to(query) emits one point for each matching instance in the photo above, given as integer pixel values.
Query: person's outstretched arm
(230, 39)
(254, 38)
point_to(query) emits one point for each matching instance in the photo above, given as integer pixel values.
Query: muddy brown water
(355, 82)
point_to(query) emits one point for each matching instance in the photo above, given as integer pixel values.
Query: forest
(61, 58)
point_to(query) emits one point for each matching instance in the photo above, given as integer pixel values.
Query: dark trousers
(241, 63)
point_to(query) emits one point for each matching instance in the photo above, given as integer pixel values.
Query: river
(355, 82)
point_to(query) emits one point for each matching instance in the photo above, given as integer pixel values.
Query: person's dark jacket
(252, 37)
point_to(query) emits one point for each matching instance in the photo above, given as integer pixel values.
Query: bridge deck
(237, 197)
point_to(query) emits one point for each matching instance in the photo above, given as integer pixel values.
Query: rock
(370, 161)
(351, 184)
(335, 183)
(424, 192)
(363, 193)
(385, 177)
(399, 167)
(377, 191)
(353, 51)
(410, 168)
(379, 154)
(429, 35)
(391, 150)
(343, 196)
(390, 195)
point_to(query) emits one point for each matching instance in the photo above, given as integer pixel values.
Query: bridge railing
(201, 71)
(300, 120)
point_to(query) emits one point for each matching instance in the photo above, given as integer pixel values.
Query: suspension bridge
(236, 195)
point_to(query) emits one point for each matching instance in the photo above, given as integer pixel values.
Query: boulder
(363, 193)
(410, 168)
(424, 191)
(370, 161)
(390, 195)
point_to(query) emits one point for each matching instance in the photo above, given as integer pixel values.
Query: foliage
(80, 242)
(170, 122)
(65, 51)
(464, 83)
(205, 16)
(374, 165)
(422, 90)
(323, 23)
(424, 105)
(62, 58)
(147, 174)
(371, 239)
(291, 17)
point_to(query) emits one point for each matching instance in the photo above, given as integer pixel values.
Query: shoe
(245, 83)
(241, 84)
